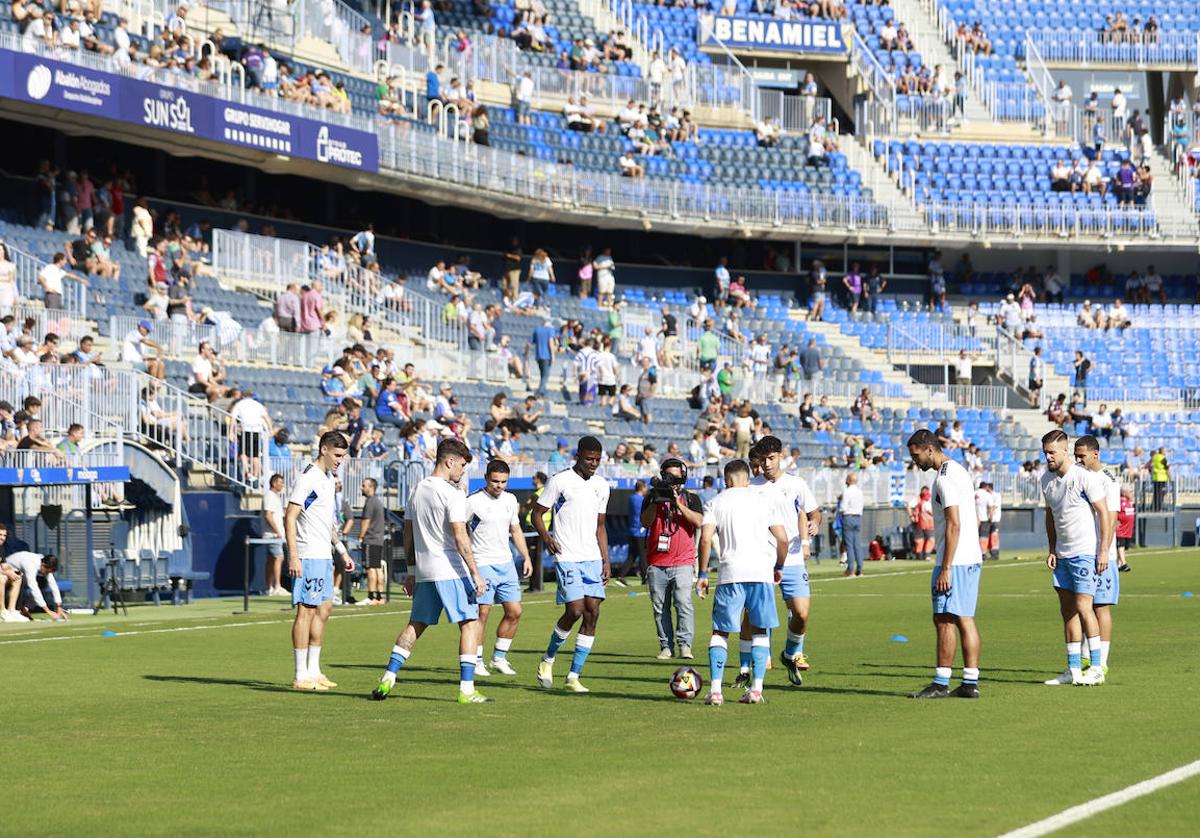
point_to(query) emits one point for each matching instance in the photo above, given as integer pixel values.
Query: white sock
(314, 661)
(503, 644)
(1092, 643)
(301, 664)
(744, 647)
(1086, 648)
(1075, 648)
(1105, 645)
(479, 653)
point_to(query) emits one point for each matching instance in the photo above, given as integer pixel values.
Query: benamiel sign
(770, 35)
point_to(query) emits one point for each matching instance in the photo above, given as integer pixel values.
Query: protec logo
(335, 151)
(37, 84)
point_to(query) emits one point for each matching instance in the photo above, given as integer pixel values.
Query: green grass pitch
(183, 723)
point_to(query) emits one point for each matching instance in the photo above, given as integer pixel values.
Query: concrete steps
(877, 361)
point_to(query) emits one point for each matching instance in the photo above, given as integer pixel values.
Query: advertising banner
(768, 34)
(57, 84)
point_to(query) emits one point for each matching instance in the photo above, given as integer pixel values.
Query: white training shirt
(953, 487)
(251, 415)
(30, 565)
(131, 347)
(202, 370)
(740, 516)
(995, 503)
(983, 500)
(1112, 498)
(1070, 500)
(273, 503)
(313, 493)
(433, 506)
(576, 503)
(52, 278)
(793, 492)
(490, 521)
(852, 500)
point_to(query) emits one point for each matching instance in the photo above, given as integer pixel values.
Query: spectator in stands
(1057, 411)
(1154, 288)
(604, 270)
(630, 167)
(767, 133)
(817, 281)
(1078, 415)
(1102, 423)
(1083, 366)
(625, 407)
(51, 277)
(249, 429)
(1118, 315)
(136, 341)
(287, 308)
(1124, 184)
(937, 283)
(647, 383)
(853, 282)
(864, 407)
(541, 272)
(142, 229)
(1060, 176)
(312, 308)
(207, 375)
(34, 440)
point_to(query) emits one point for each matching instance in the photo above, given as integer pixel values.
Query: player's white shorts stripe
(1101, 804)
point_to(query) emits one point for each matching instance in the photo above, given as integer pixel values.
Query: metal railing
(190, 431)
(287, 24)
(422, 153)
(75, 289)
(245, 345)
(69, 497)
(1063, 221)
(874, 114)
(1091, 46)
(730, 348)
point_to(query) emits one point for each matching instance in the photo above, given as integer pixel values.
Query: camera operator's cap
(145, 324)
(672, 462)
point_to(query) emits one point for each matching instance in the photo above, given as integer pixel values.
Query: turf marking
(1109, 801)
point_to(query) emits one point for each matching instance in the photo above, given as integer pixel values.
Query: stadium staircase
(884, 188)
(871, 360)
(1176, 216)
(607, 20)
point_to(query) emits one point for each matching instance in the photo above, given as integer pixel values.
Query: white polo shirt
(313, 493)
(740, 516)
(1070, 500)
(953, 488)
(795, 495)
(434, 505)
(490, 521)
(576, 503)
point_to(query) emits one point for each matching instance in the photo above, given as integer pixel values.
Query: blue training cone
(899, 638)
(109, 633)
(1188, 593)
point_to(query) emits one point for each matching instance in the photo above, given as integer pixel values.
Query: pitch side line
(398, 613)
(1102, 804)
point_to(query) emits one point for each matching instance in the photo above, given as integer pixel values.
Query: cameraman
(672, 515)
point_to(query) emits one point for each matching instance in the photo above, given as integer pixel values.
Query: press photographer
(672, 515)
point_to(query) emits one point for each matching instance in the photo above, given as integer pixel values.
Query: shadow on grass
(851, 691)
(923, 668)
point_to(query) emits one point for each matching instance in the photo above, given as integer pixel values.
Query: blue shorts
(757, 598)
(315, 584)
(1108, 586)
(1077, 574)
(501, 583)
(963, 594)
(795, 582)
(454, 596)
(579, 579)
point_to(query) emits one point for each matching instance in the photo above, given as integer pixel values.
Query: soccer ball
(686, 682)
